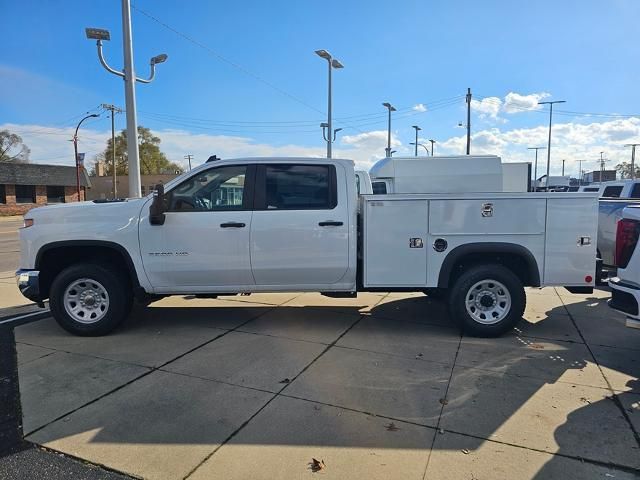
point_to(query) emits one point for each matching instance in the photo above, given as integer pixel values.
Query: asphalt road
(9, 244)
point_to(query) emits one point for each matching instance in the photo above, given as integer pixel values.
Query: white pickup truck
(298, 224)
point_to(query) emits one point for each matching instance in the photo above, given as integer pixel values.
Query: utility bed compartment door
(568, 258)
(395, 235)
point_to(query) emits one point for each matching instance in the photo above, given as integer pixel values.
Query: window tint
(25, 194)
(593, 189)
(3, 194)
(635, 191)
(612, 191)
(55, 194)
(300, 187)
(379, 188)
(217, 189)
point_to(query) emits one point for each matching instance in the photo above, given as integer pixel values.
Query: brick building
(24, 186)
(102, 186)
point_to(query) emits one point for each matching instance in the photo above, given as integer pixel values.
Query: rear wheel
(89, 299)
(487, 300)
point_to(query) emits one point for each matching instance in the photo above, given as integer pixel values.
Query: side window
(216, 189)
(299, 187)
(635, 192)
(379, 188)
(612, 191)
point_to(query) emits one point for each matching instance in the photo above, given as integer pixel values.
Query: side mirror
(158, 206)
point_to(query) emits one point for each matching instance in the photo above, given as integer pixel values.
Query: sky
(242, 78)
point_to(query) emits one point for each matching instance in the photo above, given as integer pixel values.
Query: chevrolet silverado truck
(298, 224)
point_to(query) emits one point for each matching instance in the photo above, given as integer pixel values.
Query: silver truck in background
(615, 196)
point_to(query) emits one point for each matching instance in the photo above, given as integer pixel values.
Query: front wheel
(487, 300)
(89, 299)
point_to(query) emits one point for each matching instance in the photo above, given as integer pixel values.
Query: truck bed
(407, 238)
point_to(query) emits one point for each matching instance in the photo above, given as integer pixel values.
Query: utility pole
(113, 109)
(468, 122)
(391, 108)
(432, 147)
(549, 144)
(189, 157)
(633, 158)
(417, 130)
(563, 167)
(602, 162)
(535, 168)
(580, 175)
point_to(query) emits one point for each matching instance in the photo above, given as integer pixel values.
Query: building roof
(38, 174)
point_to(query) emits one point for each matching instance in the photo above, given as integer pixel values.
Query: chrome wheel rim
(86, 300)
(488, 302)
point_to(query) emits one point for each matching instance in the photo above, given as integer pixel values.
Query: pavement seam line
(149, 372)
(614, 395)
(277, 394)
(446, 394)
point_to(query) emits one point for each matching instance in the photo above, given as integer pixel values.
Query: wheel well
(521, 263)
(53, 260)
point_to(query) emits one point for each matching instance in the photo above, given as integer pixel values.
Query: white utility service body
(298, 224)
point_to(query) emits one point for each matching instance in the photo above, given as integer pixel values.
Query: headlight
(28, 222)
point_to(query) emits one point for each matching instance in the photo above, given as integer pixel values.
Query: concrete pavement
(381, 386)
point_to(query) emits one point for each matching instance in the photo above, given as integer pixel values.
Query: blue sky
(257, 65)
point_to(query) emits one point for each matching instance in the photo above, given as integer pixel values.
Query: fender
(133, 274)
(488, 248)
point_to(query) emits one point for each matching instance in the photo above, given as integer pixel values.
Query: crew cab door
(300, 226)
(204, 242)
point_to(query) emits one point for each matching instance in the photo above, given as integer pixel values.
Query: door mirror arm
(158, 206)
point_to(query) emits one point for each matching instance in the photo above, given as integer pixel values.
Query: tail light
(626, 240)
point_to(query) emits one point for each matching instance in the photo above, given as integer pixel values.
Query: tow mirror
(158, 206)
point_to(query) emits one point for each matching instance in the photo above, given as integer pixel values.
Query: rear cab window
(296, 187)
(613, 191)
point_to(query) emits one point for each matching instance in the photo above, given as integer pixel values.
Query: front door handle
(232, 225)
(330, 223)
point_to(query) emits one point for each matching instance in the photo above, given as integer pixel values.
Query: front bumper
(625, 298)
(29, 284)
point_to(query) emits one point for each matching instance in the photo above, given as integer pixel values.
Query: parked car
(625, 287)
(292, 224)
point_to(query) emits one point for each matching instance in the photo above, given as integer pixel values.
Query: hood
(88, 212)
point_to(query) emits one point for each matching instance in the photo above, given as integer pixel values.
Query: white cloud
(487, 107)
(419, 108)
(514, 102)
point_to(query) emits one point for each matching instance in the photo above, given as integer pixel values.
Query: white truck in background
(298, 224)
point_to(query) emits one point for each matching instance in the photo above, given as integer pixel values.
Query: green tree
(12, 149)
(624, 169)
(152, 160)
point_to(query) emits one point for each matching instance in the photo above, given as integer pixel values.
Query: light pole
(75, 149)
(391, 108)
(633, 158)
(549, 144)
(417, 128)
(422, 145)
(333, 63)
(130, 80)
(535, 168)
(432, 146)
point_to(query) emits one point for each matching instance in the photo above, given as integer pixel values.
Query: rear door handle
(330, 223)
(232, 225)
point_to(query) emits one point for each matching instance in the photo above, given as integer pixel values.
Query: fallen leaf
(317, 465)
(391, 427)
(419, 355)
(465, 451)
(537, 346)
(286, 380)
(444, 401)
(585, 400)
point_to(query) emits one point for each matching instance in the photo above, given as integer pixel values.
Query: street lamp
(549, 144)
(391, 108)
(332, 63)
(422, 145)
(130, 79)
(535, 168)
(432, 147)
(75, 149)
(417, 128)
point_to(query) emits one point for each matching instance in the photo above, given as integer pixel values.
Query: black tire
(462, 288)
(117, 293)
